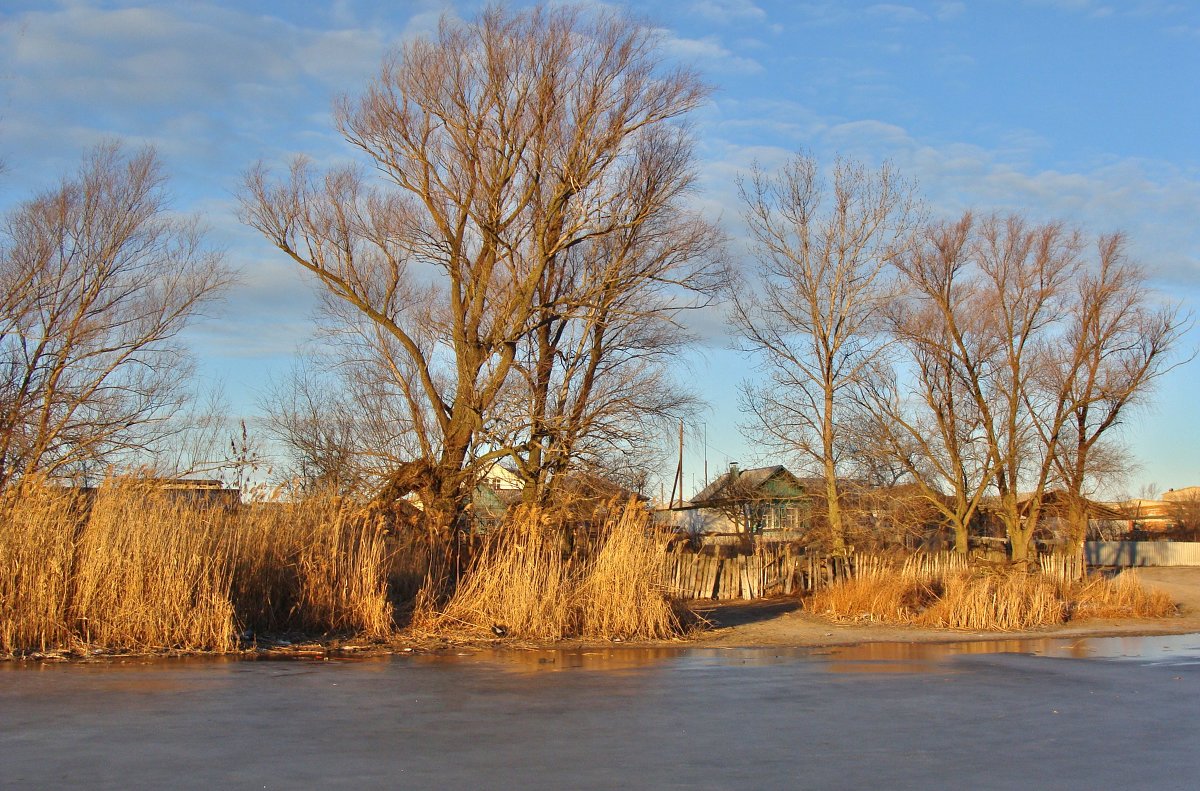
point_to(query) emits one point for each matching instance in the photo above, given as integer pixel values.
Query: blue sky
(1072, 109)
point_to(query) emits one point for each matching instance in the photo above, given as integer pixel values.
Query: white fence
(1142, 553)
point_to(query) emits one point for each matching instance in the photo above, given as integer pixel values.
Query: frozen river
(1118, 713)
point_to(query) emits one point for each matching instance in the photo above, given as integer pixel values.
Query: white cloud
(1124, 8)
(1152, 201)
(951, 10)
(709, 52)
(726, 11)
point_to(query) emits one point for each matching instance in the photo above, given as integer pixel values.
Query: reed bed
(310, 566)
(1121, 597)
(522, 583)
(130, 567)
(149, 575)
(953, 594)
(622, 594)
(36, 558)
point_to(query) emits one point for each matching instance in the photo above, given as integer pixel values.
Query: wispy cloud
(198, 77)
(1152, 200)
(710, 53)
(726, 11)
(949, 10)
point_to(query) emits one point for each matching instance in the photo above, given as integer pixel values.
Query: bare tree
(338, 421)
(985, 299)
(1117, 343)
(1026, 270)
(927, 421)
(596, 371)
(1020, 356)
(813, 315)
(504, 144)
(316, 426)
(97, 281)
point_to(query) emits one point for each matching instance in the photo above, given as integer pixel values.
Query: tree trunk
(833, 510)
(962, 537)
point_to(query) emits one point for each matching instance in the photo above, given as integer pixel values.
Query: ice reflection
(932, 657)
(862, 658)
(148, 674)
(556, 660)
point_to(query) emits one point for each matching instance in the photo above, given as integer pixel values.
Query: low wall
(1142, 553)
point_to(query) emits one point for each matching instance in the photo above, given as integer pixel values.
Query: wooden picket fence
(723, 572)
(771, 569)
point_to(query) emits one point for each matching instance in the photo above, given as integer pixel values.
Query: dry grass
(134, 568)
(125, 570)
(524, 582)
(150, 575)
(1121, 597)
(518, 579)
(991, 598)
(621, 592)
(996, 601)
(310, 566)
(36, 556)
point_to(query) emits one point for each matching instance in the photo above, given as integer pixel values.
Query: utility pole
(678, 471)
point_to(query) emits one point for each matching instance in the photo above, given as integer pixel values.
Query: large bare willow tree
(97, 280)
(813, 314)
(524, 230)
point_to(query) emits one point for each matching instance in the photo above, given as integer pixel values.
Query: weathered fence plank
(723, 572)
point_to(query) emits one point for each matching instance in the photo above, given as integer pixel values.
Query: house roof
(581, 483)
(774, 482)
(1185, 495)
(1056, 501)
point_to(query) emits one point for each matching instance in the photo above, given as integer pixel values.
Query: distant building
(201, 491)
(751, 502)
(501, 477)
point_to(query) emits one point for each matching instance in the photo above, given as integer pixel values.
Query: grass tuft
(984, 598)
(524, 582)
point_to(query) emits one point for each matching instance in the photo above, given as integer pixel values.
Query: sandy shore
(781, 622)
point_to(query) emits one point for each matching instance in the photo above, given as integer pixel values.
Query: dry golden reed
(131, 567)
(523, 582)
(36, 557)
(310, 566)
(1121, 597)
(983, 598)
(124, 569)
(622, 592)
(150, 575)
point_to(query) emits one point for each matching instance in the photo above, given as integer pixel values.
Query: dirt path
(781, 622)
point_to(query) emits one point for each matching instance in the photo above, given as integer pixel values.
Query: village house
(764, 501)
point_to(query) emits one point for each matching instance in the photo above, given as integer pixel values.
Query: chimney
(733, 469)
